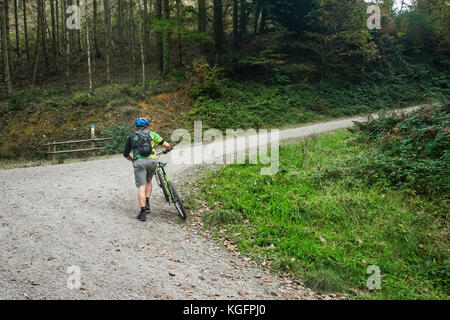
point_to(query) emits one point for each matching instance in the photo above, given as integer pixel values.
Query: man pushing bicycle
(142, 142)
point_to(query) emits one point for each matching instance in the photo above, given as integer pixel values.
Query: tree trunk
(57, 28)
(243, 19)
(25, 27)
(180, 58)
(95, 39)
(88, 47)
(6, 70)
(202, 15)
(146, 27)
(8, 39)
(166, 40)
(262, 27)
(79, 33)
(38, 40)
(107, 17)
(159, 44)
(141, 40)
(43, 32)
(52, 12)
(218, 26)
(67, 42)
(120, 23)
(257, 14)
(133, 45)
(235, 23)
(16, 23)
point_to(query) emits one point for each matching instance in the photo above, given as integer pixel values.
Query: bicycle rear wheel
(177, 201)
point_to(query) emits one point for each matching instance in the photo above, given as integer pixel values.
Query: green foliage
(204, 80)
(254, 105)
(120, 134)
(408, 151)
(327, 230)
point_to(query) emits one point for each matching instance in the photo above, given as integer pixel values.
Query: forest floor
(84, 214)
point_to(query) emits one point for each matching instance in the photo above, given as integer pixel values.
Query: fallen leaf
(171, 274)
(50, 258)
(323, 239)
(242, 293)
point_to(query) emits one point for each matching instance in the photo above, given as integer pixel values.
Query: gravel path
(83, 214)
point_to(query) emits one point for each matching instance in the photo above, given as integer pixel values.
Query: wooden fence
(52, 146)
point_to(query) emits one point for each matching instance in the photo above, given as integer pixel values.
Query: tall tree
(120, 24)
(179, 25)
(264, 15)
(166, 38)
(16, 24)
(107, 18)
(25, 30)
(243, 18)
(38, 40)
(79, 32)
(235, 23)
(58, 46)
(94, 27)
(133, 55)
(67, 42)
(218, 26)
(159, 42)
(42, 24)
(141, 40)
(257, 4)
(146, 21)
(88, 46)
(52, 12)
(201, 15)
(8, 40)
(6, 70)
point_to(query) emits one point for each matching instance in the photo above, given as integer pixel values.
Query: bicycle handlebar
(164, 152)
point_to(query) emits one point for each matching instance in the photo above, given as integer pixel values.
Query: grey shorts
(144, 169)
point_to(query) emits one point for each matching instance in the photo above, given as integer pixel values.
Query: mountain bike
(170, 192)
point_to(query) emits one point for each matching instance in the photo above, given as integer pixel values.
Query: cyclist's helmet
(141, 122)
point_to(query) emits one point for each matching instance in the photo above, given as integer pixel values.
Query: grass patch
(327, 230)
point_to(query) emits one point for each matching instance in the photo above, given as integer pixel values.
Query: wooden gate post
(54, 150)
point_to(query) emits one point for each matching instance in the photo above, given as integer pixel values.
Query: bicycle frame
(160, 167)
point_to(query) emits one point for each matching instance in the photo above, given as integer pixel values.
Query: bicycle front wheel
(177, 201)
(162, 184)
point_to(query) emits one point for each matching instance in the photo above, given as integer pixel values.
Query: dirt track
(84, 214)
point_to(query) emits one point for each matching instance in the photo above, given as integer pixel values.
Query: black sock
(147, 200)
(142, 209)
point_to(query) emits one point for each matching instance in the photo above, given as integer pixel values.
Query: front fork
(164, 184)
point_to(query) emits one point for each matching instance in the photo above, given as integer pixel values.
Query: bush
(410, 151)
(120, 134)
(205, 80)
